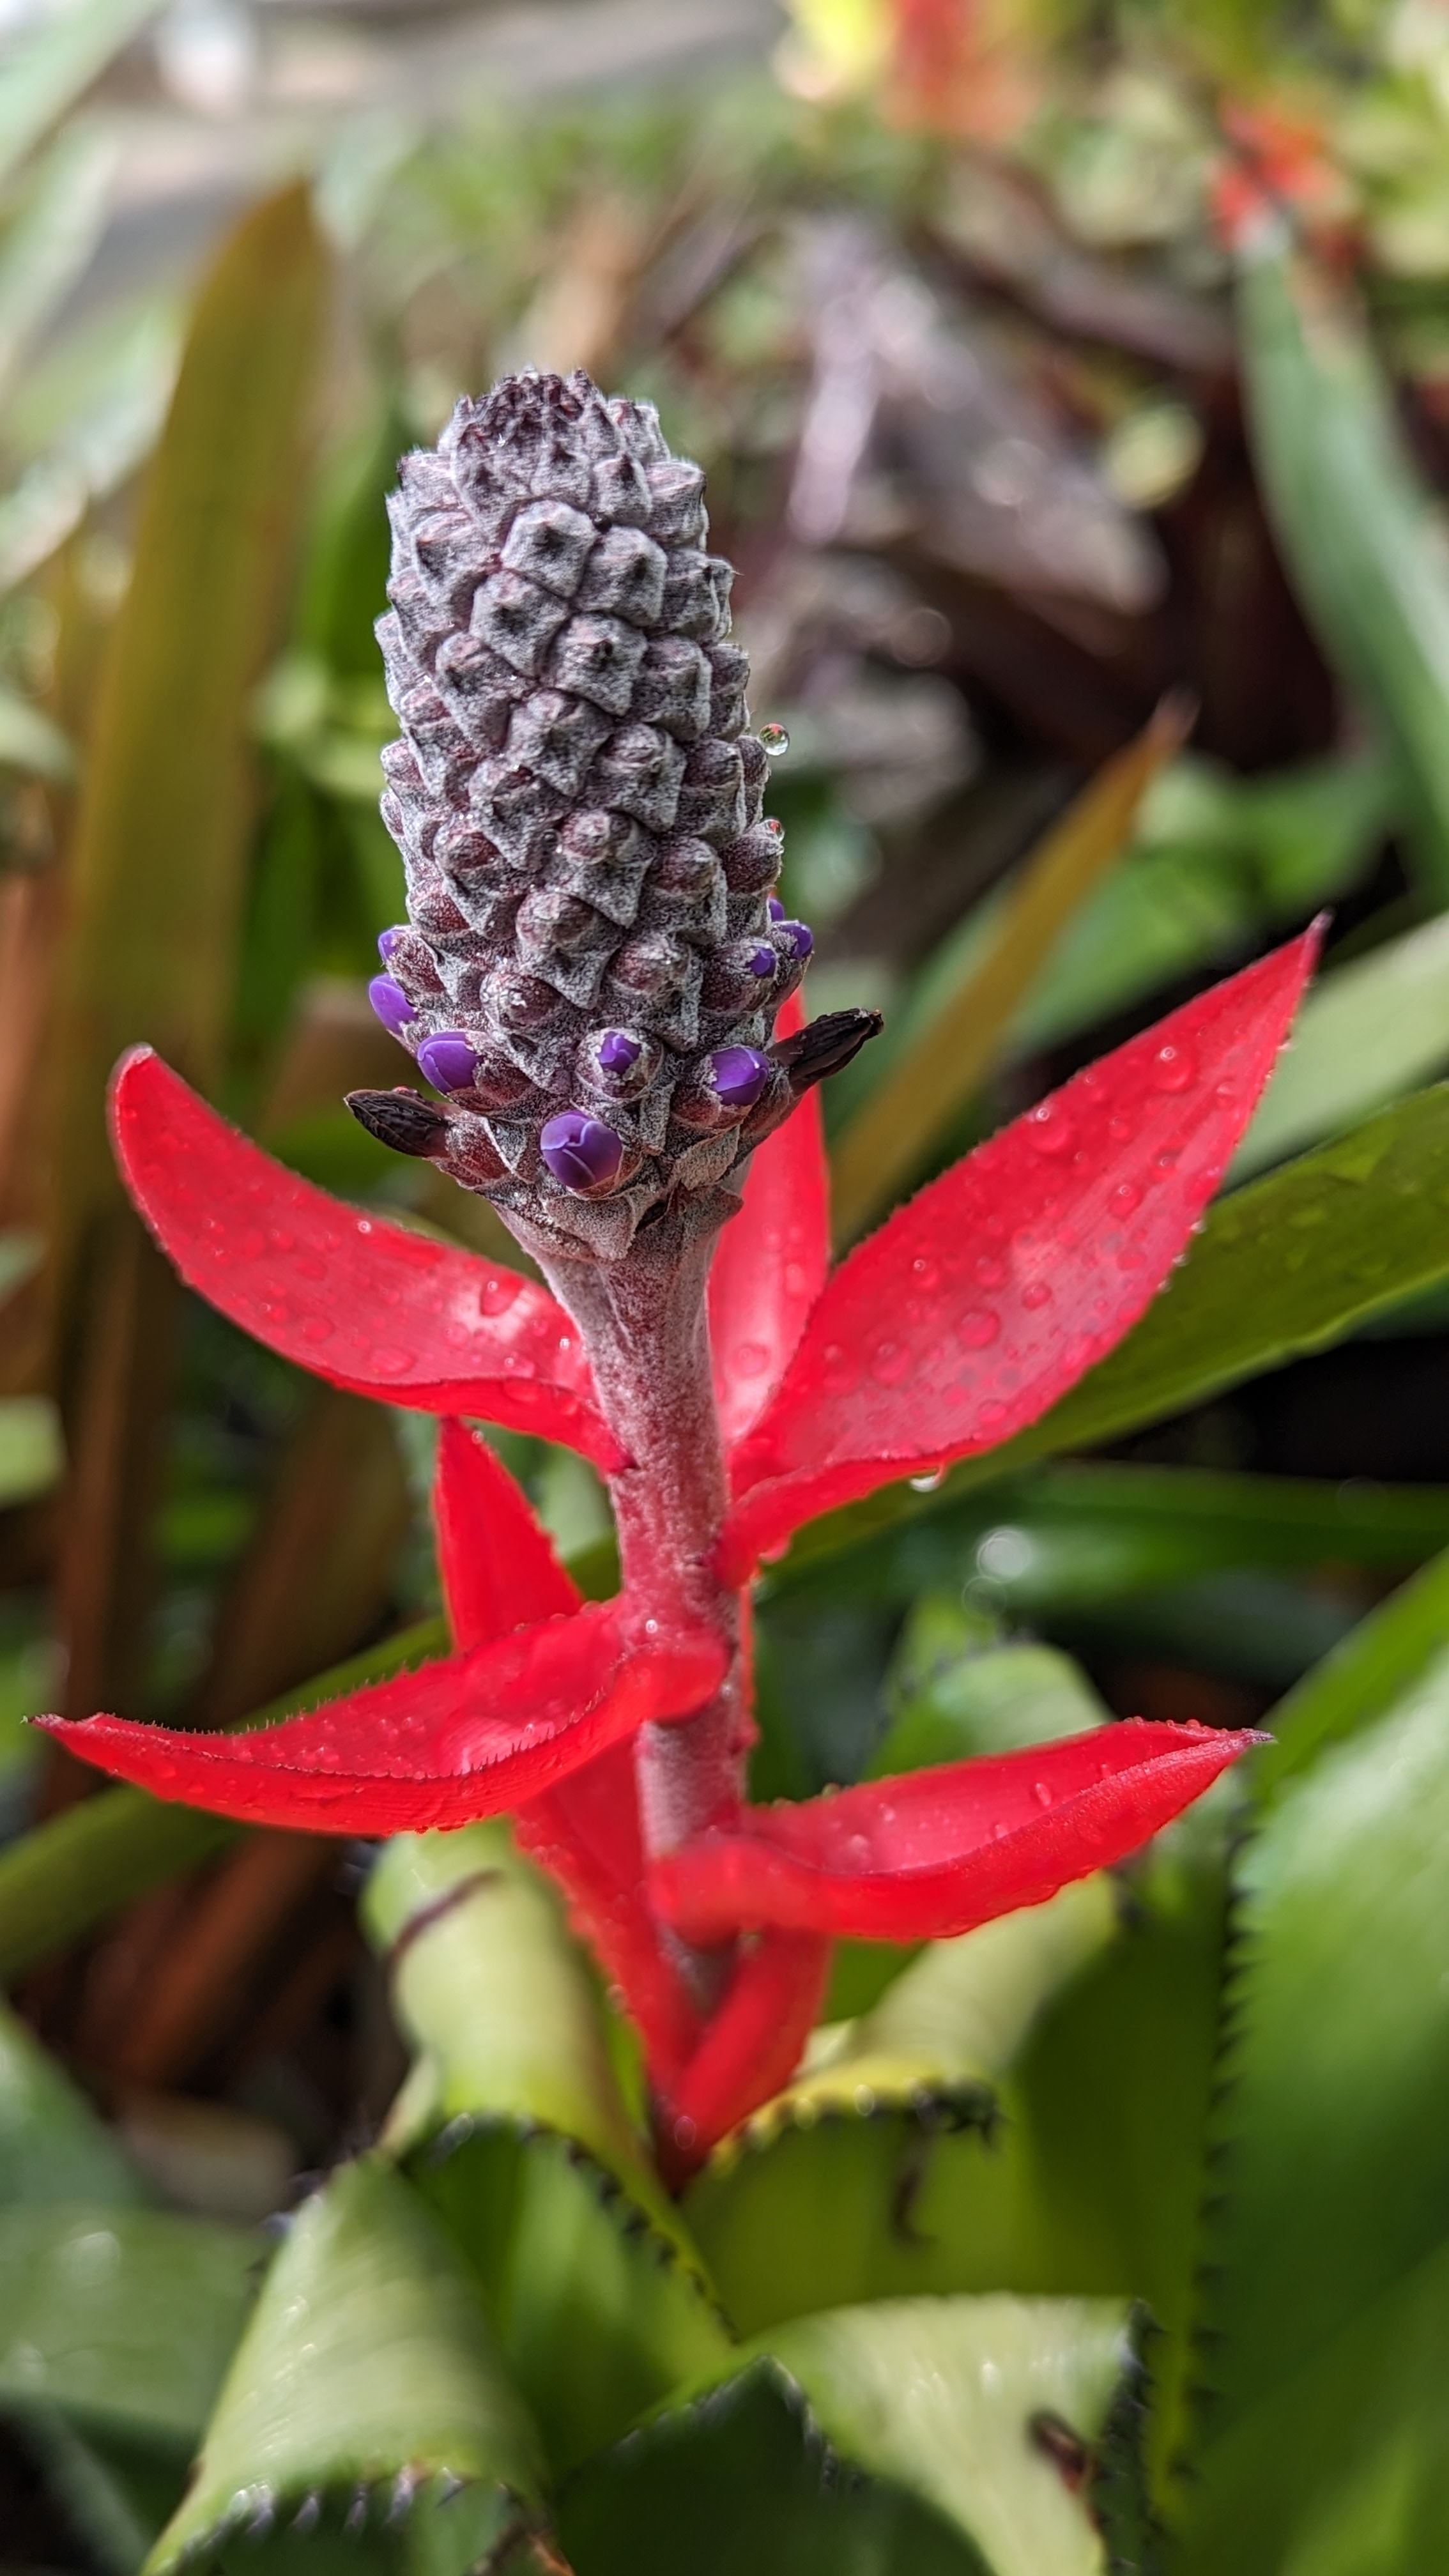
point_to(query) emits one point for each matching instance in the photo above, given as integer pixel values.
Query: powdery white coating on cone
(577, 803)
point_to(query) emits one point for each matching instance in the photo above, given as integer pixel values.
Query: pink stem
(644, 1325)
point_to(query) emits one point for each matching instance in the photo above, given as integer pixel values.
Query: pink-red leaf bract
(980, 1302)
(360, 1302)
(933, 1853)
(468, 1736)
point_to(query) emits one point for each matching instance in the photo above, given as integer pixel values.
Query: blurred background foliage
(1073, 386)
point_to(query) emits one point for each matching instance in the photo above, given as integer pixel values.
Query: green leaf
(165, 814)
(1367, 1034)
(963, 2414)
(366, 2371)
(1053, 1540)
(1382, 1657)
(1219, 861)
(889, 1138)
(121, 2318)
(742, 2480)
(80, 1867)
(32, 1457)
(50, 240)
(816, 2199)
(942, 2397)
(514, 2126)
(1323, 2440)
(1290, 1264)
(52, 66)
(52, 2146)
(1352, 519)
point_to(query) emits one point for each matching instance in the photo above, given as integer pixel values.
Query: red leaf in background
(500, 1572)
(362, 1303)
(980, 1302)
(466, 1737)
(932, 1853)
(771, 1261)
(752, 2046)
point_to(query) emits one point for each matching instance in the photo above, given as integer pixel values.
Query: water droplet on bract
(311, 1267)
(317, 1328)
(1050, 1128)
(978, 1326)
(498, 1293)
(1041, 1793)
(1121, 1127)
(929, 1483)
(1174, 1068)
(1126, 1199)
(990, 1414)
(774, 739)
(751, 1359)
(926, 1272)
(1168, 1159)
(890, 1362)
(988, 1272)
(391, 1360)
(1036, 1293)
(839, 1369)
(251, 1244)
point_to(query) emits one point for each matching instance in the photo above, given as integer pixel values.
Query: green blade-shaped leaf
(937, 1072)
(515, 2127)
(1382, 1658)
(366, 2371)
(973, 2420)
(1289, 1264)
(49, 242)
(1367, 1034)
(124, 2319)
(1329, 2245)
(1063, 1539)
(52, 2146)
(1352, 519)
(942, 2398)
(165, 812)
(1220, 862)
(55, 63)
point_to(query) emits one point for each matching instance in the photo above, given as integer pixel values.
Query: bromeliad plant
(600, 989)
(598, 983)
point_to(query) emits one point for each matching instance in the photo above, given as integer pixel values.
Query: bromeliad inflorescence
(597, 984)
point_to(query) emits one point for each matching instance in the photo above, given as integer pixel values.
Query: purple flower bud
(762, 961)
(580, 1151)
(617, 1051)
(777, 911)
(389, 941)
(447, 1060)
(737, 1075)
(391, 1004)
(799, 935)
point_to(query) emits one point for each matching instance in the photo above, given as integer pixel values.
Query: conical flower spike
(933, 1853)
(991, 1293)
(463, 1738)
(499, 1571)
(357, 1301)
(592, 964)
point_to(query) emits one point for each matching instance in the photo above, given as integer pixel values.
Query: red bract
(364, 1304)
(467, 1737)
(970, 1312)
(936, 1852)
